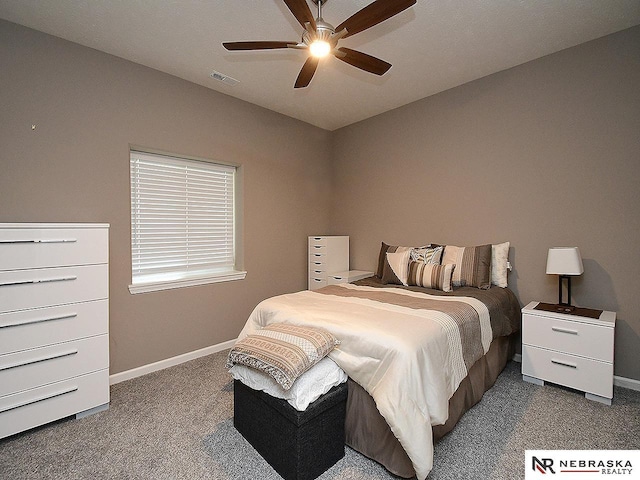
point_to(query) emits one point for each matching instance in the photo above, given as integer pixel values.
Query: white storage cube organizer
(327, 254)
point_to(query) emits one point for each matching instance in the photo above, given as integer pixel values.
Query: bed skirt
(368, 433)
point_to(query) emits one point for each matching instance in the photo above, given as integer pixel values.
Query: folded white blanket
(307, 388)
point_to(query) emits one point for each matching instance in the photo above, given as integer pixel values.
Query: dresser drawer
(30, 368)
(317, 283)
(45, 326)
(316, 257)
(317, 262)
(32, 408)
(22, 248)
(572, 371)
(577, 338)
(317, 249)
(316, 270)
(20, 289)
(317, 242)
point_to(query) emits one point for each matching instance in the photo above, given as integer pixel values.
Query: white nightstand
(571, 350)
(348, 276)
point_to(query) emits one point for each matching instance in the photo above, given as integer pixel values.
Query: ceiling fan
(321, 38)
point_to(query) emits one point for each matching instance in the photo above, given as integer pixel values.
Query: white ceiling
(433, 46)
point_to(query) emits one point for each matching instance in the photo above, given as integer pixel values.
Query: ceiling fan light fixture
(320, 48)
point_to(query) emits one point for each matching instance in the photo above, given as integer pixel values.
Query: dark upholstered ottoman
(298, 445)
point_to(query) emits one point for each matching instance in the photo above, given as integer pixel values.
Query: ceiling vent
(221, 77)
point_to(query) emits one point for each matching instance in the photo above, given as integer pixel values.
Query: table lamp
(565, 262)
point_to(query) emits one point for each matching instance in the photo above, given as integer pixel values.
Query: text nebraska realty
(605, 467)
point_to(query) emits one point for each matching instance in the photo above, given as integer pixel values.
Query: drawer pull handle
(39, 280)
(564, 330)
(39, 320)
(38, 360)
(38, 399)
(317, 238)
(564, 364)
(43, 240)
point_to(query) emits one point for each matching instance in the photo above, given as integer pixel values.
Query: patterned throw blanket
(408, 350)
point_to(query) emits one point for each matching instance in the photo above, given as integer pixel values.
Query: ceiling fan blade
(302, 12)
(362, 61)
(256, 45)
(306, 74)
(373, 14)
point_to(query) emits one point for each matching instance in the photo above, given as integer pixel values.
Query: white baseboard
(624, 382)
(169, 362)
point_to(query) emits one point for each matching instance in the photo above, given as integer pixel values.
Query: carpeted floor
(177, 424)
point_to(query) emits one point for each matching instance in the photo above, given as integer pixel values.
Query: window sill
(186, 282)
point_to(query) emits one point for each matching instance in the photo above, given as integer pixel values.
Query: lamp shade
(564, 261)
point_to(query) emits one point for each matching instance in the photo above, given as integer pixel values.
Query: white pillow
(399, 263)
(307, 388)
(499, 260)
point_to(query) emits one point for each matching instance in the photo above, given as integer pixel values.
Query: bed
(417, 357)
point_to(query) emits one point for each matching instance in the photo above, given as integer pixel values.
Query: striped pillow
(473, 265)
(283, 351)
(431, 276)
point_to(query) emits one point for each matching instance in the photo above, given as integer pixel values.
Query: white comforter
(408, 359)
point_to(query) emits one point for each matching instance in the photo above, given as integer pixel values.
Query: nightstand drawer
(572, 337)
(576, 372)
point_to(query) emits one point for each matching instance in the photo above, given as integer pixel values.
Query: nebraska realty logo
(582, 464)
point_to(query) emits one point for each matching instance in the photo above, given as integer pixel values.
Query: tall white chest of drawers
(54, 323)
(327, 255)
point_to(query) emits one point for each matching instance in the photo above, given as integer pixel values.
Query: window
(183, 222)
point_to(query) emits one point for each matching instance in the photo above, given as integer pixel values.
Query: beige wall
(88, 107)
(545, 154)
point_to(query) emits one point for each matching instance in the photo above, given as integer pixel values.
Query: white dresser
(54, 322)
(327, 254)
(571, 350)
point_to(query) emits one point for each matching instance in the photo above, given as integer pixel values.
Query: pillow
(309, 386)
(428, 254)
(283, 351)
(398, 270)
(499, 264)
(473, 265)
(382, 257)
(431, 276)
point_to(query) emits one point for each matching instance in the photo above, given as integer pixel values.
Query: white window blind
(182, 218)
